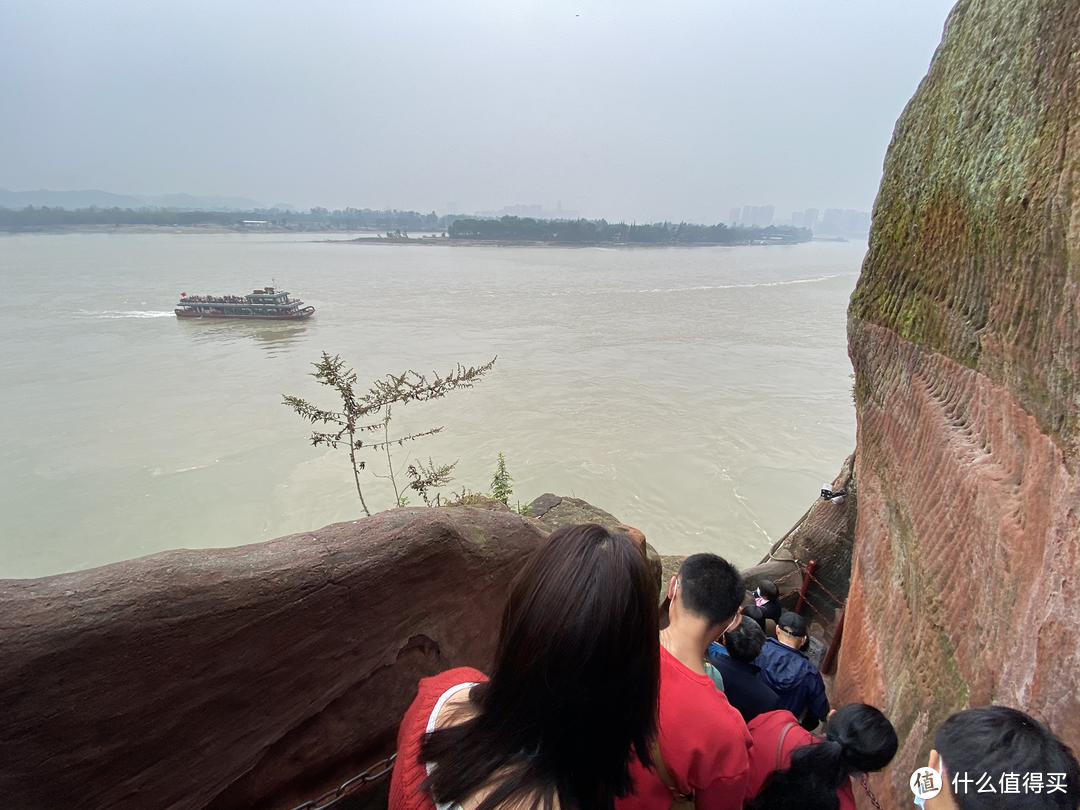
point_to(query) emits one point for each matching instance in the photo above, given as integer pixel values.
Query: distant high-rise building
(810, 218)
(796, 219)
(536, 210)
(856, 223)
(833, 220)
(753, 216)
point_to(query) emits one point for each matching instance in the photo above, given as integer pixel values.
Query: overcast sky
(659, 110)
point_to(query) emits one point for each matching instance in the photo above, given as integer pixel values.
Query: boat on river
(266, 304)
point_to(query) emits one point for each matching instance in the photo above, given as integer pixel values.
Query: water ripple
(118, 314)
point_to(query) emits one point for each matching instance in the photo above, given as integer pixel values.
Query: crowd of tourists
(591, 705)
(214, 299)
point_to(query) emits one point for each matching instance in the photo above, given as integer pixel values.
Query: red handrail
(805, 585)
(834, 645)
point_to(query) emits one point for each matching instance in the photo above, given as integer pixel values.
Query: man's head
(744, 641)
(709, 588)
(791, 630)
(996, 741)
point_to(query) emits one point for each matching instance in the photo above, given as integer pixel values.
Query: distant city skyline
(834, 221)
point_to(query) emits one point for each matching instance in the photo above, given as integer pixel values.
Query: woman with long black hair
(790, 767)
(571, 699)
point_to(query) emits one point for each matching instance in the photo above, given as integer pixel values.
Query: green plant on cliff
(371, 413)
(423, 479)
(502, 487)
(502, 484)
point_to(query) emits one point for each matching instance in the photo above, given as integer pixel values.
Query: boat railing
(263, 300)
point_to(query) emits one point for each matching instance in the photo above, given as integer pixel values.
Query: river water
(701, 394)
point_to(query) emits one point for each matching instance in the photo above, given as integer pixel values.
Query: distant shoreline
(327, 237)
(187, 229)
(539, 243)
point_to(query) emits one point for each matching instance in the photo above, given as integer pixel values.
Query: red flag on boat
(183, 295)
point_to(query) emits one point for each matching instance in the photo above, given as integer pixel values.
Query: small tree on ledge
(502, 484)
(372, 412)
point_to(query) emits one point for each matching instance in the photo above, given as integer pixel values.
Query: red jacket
(703, 740)
(409, 771)
(766, 729)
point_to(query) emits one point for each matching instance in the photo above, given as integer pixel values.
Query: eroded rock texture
(964, 334)
(252, 677)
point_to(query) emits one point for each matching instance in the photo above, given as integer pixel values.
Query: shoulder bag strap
(780, 745)
(665, 777)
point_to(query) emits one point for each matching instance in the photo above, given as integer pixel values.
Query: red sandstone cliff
(964, 331)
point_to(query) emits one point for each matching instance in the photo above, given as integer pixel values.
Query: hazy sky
(659, 110)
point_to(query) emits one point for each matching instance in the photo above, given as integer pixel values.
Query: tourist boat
(267, 304)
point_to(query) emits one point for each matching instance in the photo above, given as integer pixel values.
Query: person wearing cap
(787, 671)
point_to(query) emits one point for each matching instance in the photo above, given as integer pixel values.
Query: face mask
(759, 601)
(920, 802)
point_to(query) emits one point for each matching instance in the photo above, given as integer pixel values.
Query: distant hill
(72, 200)
(68, 199)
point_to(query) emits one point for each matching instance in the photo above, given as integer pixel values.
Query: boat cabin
(267, 296)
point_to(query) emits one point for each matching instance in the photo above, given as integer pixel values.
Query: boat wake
(814, 280)
(118, 314)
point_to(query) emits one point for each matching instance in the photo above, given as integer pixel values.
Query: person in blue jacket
(734, 662)
(787, 671)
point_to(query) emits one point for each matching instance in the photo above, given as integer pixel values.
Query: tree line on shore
(507, 228)
(320, 218)
(45, 217)
(601, 231)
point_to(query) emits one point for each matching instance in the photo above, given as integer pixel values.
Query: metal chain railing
(803, 571)
(791, 573)
(350, 786)
(830, 594)
(828, 624)
(870, 793)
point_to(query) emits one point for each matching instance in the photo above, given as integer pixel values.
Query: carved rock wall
(252, 677)
(964, 331)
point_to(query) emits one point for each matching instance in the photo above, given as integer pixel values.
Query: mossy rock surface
(974, 250)
(478, 501)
